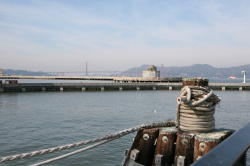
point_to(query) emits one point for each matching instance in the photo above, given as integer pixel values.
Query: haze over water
(32, 121)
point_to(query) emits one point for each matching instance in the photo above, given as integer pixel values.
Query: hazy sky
(61, 35)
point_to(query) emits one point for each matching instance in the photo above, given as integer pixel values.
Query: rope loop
(195, 109)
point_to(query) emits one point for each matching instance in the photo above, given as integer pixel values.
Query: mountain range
(196, 70)
(25, 72)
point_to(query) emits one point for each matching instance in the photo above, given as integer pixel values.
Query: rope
(72, 153)
(196, 108)
(81, 143)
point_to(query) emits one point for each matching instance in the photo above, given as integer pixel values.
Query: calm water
(31, 121)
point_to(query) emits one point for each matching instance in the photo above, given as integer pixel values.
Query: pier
(115, 86)
(97, 78)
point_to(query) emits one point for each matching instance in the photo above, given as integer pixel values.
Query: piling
(164, 154)
(204, 142)
(143, 148)
(170, 88)
(83, 89)
(61, 89)
(43, 89)
(184, 149)
(120, 88)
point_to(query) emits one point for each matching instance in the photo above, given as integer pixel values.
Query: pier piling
(61, 89)
(184, 149)
(204, 142)
(164, 154)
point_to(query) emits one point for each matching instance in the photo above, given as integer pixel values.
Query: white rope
(195, 110)
(81, 143)
(72, 153)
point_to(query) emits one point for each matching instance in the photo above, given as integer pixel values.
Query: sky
(114, 35)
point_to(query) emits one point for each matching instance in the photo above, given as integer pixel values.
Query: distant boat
(232, 77)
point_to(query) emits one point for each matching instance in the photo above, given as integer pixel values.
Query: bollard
(204, 142)
(184, 149)
(164, 151)
(143, 148)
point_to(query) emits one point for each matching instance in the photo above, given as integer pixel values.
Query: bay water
(32, 121)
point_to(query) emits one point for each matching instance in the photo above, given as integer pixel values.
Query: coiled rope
(90, 141)
(196, 108)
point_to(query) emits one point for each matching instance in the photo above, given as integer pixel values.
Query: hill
(25, 72)
(196, 70)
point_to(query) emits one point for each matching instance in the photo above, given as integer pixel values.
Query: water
(31, 121)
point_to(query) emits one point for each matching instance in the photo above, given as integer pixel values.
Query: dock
(116, 86)
(97, 78)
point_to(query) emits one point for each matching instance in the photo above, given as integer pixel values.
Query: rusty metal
(205, 142)
(229, 152)
(164, 151)
(184, 147)
(144, 148)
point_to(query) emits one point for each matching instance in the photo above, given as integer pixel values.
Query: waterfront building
(151, 72)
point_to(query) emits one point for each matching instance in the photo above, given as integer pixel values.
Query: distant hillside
(197, 70)
(25, 72)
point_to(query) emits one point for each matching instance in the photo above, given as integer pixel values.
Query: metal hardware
(145, 137)
(134, 154)
(180, 161)
(132, 163)
(164, 139)
(184, 141)
(158, 159)
(202, 146)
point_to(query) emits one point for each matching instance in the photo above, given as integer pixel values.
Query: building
(151, 72)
